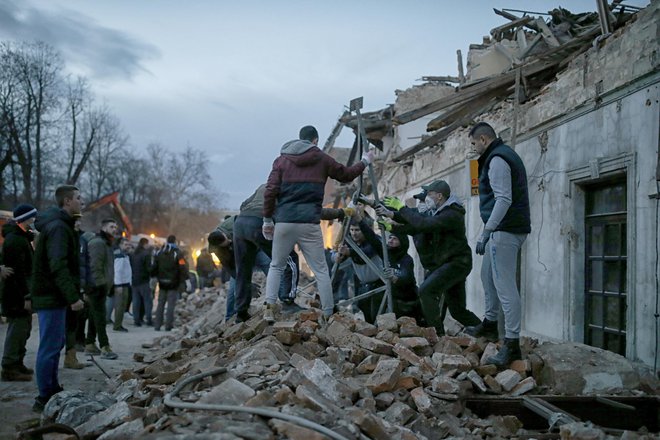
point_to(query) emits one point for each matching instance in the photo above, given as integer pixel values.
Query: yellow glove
(386, 225)
(393, 203)
(349, 212)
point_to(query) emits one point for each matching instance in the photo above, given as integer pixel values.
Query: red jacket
(294, 190)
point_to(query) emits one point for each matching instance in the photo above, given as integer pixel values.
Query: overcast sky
(238, 78)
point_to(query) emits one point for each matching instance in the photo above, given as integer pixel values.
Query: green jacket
(101, 261)
(55, 268)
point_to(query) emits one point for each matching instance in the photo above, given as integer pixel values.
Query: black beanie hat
(24, 212)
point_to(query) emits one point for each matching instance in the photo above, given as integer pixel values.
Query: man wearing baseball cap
(17, 254)
(439, 236)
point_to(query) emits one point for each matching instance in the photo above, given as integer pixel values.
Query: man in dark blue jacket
(55, 285)
(17, 254)
(504, 208)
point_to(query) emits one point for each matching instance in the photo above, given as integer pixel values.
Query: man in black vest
(504, 207)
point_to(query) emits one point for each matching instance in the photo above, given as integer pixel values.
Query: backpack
(167, 268)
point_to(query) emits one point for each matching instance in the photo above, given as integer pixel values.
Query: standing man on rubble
(55, 286)
(504, 206)
(171, 269)
(292, 210)
(17, 255)
(102, 272)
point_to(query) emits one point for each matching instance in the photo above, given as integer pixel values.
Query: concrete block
(288, 337)
(408, 383)
(477, 381)
(370, 424)
(291, 326)
(372, 344)
(384, 401)
(566, 372)
(295, 432)
(101, 422)
(508, 379)
(493, 384)
(451, 361)
(309, 315)
(524, 386)
(399, 414)
(126, 431)
(368, 365)
(485, 370)
(422, 400)
(490, 351)
(414, 342)
(229, 392)
(445, 385)
(385, 376)
(364, 328)
(387, 321)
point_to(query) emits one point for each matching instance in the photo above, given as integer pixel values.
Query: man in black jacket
(17, 254)
(445, 253)
(55, 285)
(141, 270)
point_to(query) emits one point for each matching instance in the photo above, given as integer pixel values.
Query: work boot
(23, 369)
(92, 349)
(71, 361)
(107, 353)
(269, 313)
(485, 329)
(509, 352)
(39, 404)
(242, 316)
(14, 375)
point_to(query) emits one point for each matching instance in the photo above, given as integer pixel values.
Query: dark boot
(14, 375)
(485, 329)
(509, 352)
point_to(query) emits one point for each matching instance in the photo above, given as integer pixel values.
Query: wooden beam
(452, 79)
(330, 142)
(503, 80)
(464, 108)
(499, 30)
(511, 16)
(554, 415)
(461, 74)
(548, 36)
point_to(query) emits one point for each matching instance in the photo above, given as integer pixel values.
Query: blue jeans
(231, 299)
(52, 336)
(142, 303)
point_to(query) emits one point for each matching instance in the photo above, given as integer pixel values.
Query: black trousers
(447, 280)
(248, 241)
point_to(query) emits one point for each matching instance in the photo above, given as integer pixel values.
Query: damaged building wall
(597, 120)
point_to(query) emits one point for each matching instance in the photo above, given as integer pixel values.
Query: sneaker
(137, 324)
(39, 404)
(485, 329)
(92, 349)
(121, 329)
(291, 307)
(269, 313)
(13, 375)
(107, 353)
(149, 324)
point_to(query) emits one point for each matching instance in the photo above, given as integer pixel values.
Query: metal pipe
(264, 412)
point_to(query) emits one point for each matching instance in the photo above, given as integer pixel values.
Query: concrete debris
(391, 380)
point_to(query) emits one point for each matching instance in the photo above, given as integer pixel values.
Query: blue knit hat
(24, 212)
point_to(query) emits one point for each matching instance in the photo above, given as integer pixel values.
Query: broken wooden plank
(461, 74)
(503, 80)
(499, 30)
(525, 52)
(548, 36)
(462, 109)
(451, 79)
(511, 16)
(614, 404)
(330, 142)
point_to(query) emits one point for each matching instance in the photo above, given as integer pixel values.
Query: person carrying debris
(444, 251)
(292, 210)
(17, 255)
(55, 286)
(504, 207)
(102, 272)
(171, 269)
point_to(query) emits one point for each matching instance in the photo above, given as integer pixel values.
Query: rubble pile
(391, 380)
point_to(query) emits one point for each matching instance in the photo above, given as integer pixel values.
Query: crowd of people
(286, 211)
(74, 279)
